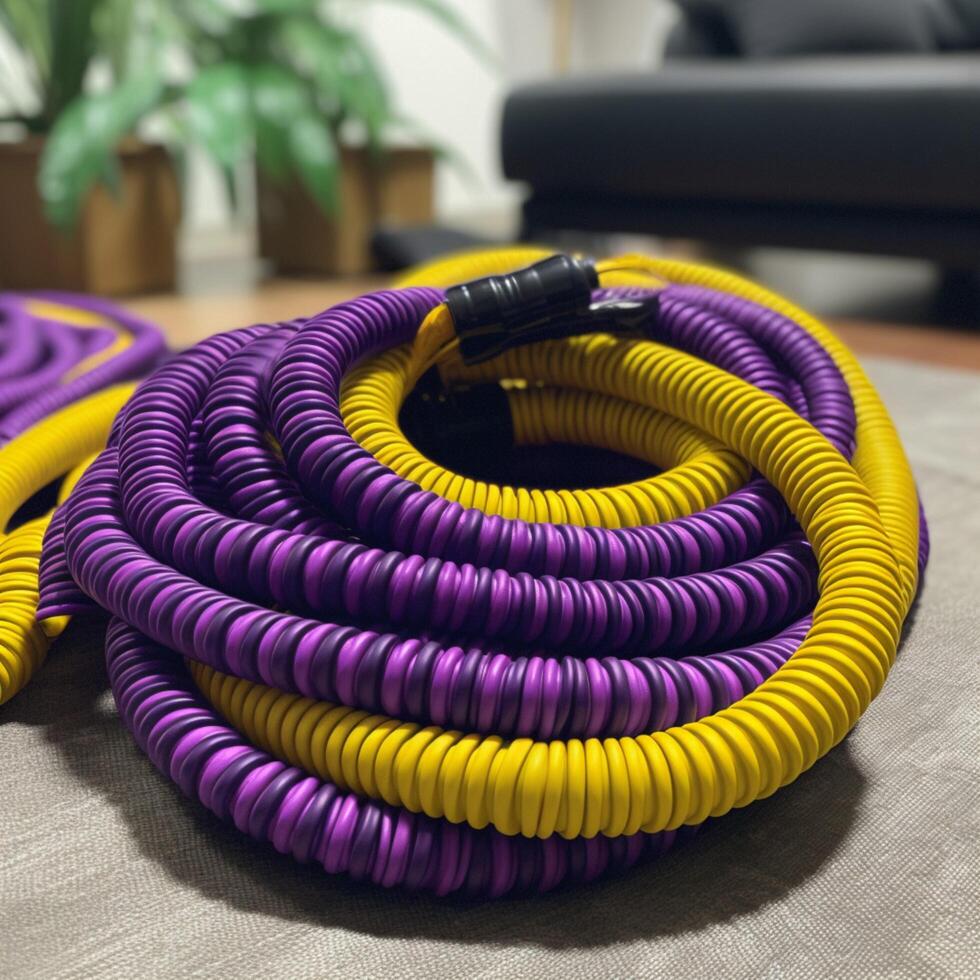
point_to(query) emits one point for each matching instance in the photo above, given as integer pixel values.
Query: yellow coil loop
(879, 457)
(78, 317)
(65, 442)
(700, 471)
(861, 519)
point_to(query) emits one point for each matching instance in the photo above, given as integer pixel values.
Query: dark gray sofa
(851, 125)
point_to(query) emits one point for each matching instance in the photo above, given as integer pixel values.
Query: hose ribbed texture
(62, 444)
(314, 820)
(56, 348)
(397, 671)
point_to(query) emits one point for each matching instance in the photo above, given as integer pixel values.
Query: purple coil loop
(197, 536)
(37, 351)
(315, 821)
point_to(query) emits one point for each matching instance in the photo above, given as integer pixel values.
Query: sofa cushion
(949, 24)
(892, 131)
(767, 28)
(968, 13)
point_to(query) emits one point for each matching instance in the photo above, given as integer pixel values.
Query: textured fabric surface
(867, 866)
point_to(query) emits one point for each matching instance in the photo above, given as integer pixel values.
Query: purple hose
(314, 820)
(150, 520)
(196, 535)
(36, 352)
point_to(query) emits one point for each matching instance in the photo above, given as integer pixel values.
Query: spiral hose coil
(738, 646)
(56, 350)
(64, 443)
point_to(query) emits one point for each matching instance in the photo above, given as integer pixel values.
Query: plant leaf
(314, 157)
(311, 50)
(291, 137)
(211, 16)
(114, 22)
(72, 28)
(278, 98)
(219, 117)
(219, 112)
(79, 150)
(280, 7)
(364, 93)
(342, 71)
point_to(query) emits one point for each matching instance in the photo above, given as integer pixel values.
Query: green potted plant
(285, 82)
(100, 214)
(293, 80)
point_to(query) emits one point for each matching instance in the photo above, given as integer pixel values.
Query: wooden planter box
(298, 238)
(124, 245)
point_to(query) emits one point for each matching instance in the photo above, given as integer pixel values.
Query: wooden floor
(925, 345)
(187, 319)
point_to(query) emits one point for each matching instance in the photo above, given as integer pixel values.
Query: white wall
(14, 80)
(437, 80)
(617, 35)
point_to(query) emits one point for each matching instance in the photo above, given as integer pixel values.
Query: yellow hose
(63, 443)
(861, 519)
(699, 471)
(79, 317)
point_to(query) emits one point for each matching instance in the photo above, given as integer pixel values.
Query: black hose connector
(499, 312)
(545, 301)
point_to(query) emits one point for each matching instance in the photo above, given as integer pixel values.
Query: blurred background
(229, 160)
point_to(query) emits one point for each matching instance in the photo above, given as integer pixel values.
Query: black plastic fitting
(491, 313)
(544, 301)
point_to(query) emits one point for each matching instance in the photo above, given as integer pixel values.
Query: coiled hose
(58, 351)
(395, 670)
(56, 348)
(64, 443)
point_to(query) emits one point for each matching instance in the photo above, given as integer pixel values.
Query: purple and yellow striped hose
(424, 679)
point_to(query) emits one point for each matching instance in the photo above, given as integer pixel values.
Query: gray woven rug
(867, 866)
